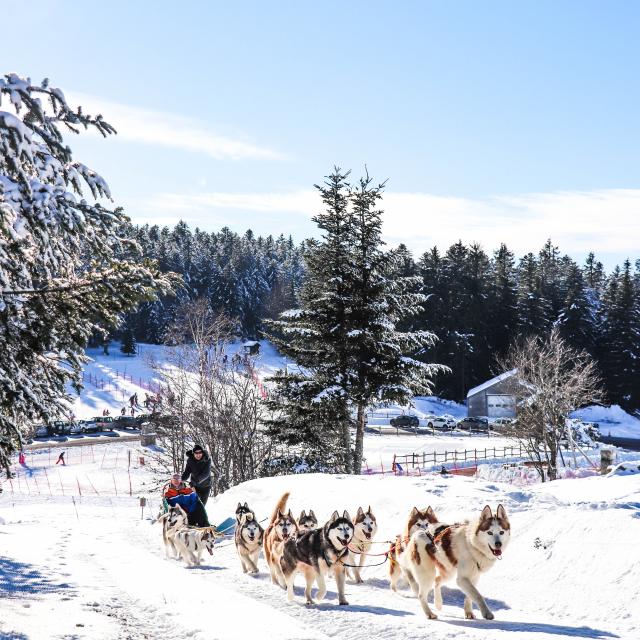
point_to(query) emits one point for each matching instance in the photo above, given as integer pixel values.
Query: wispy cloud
(604, 221)
(170, 130)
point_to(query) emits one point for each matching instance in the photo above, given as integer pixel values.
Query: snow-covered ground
(92, 567)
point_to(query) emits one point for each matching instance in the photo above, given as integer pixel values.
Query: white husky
(191, 543)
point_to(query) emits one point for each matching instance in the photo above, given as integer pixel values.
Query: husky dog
(242, 510)
(462, 550)
(248, 537)
(282, 526)
(365, 528)
(192, 542)
(418, 520)
(307, 521)
(469, 550)
(315, 554)
(172, 521)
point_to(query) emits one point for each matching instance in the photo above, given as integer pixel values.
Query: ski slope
(93, 567)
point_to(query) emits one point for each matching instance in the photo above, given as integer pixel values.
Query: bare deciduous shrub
(553, 380)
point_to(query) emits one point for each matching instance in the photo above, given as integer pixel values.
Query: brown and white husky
(463, 551)
(307, 521)
(418, 521)
(282, 526)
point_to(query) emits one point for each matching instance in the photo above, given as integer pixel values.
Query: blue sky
(492, 121)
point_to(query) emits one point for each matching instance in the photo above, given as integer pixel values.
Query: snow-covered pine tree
(620, 358)
(381, 357)
(59, 276)
(344, 336)
(315, 335)
(534, 310)
(576, 321)
(503, 301)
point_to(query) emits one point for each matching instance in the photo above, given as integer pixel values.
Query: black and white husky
(248, 538)
(172, 521)
(242, 510)
(317, 553)
(307, 521)
(191, 543)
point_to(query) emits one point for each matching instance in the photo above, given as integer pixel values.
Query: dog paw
(343, 602)
(469, 615)
(433, 616)
(487, 615)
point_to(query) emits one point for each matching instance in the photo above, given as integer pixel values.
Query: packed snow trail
(570, 570)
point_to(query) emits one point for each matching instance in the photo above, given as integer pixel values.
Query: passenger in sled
(177, 492)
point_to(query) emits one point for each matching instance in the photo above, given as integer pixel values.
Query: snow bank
(614, 421)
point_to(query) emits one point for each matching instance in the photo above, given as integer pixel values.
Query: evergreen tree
(315, 335)
(65, 268)
(620, 358)
(345, 334)
(128, 345)
(534, 310)
(503, 301)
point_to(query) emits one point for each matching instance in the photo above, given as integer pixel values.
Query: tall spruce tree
(65, 268)
(345, 336)
(382, 366)
(315, 335)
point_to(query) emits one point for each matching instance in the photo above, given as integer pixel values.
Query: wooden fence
(425, 459)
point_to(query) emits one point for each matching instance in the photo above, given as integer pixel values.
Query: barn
(494, 398)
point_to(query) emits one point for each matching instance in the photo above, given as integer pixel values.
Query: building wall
(477, 404)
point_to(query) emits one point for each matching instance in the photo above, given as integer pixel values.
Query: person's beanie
(198, 448)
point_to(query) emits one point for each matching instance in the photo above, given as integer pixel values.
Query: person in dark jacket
(198, 472)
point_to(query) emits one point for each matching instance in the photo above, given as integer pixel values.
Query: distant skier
(61, 459)
(22, 460)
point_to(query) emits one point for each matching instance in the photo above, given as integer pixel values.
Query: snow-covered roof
(490, 383)
(250, 343)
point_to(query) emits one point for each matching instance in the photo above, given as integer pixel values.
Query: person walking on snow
(61, 459)
(198, 472)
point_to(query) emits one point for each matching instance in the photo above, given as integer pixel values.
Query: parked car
(501, 425)
(43, 431)
(126, 422)
(473, 424)
(442, 423)
(100, 423)
(404, 421)
(61, 428)
(77, 427)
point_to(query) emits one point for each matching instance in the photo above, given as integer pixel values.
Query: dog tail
(281, 504)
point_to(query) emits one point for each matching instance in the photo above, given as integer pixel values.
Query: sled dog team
(426, 554)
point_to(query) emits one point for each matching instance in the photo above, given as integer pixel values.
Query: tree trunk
(346, 441)
(360, 422)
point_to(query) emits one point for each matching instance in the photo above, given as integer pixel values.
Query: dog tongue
(496, 552)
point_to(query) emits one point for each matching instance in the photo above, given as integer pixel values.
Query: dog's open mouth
(343, 541)
(210, 550)
(496, 552)
(367, 535)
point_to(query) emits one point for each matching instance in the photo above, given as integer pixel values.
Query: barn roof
(490, 383)
(250, 343)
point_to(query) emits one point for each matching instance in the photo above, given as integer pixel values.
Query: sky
(491, 122)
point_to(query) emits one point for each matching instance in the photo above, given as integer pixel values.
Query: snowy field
(92, 567)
